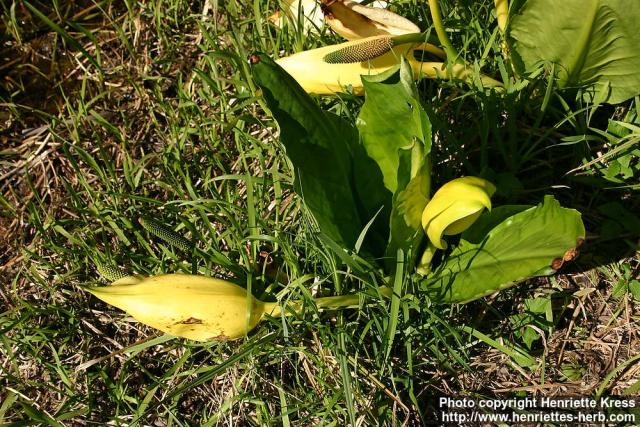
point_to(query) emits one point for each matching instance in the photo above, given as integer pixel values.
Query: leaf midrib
(575, 67)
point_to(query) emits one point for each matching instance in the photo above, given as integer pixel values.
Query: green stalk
(452, 54)
(424, 265)
(323, 303)
(453, 57)
(409, 38)
(420, 38)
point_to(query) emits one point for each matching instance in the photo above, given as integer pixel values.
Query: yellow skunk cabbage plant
(378, 39)
(332, 69)
(198, 307)
(193, 306)
(376, 196)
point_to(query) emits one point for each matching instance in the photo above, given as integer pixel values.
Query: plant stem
(459, 71)
(424, 265)
(275, 309)
(452, 54)
(457, 68)
(418, 38)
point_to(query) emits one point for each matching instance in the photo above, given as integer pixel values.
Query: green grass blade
(394, 313)
(58, 29)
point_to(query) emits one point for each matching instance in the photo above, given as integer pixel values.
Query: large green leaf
(339, 183)
(523, 245)
(591, 41)
(391, 119)
(396, 132)
(489, 220)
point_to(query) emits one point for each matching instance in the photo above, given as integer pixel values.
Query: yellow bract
(455, 207)
(354, 21)
(307, 10)
(196, 307)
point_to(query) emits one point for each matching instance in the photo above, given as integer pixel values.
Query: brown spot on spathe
(221, 337)
(190, 321)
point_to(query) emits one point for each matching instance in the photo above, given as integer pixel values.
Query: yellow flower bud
(196, 307)
(455, 207)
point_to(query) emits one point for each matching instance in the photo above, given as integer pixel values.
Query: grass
(116, 110)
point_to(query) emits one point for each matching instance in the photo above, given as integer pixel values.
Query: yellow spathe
(196, 307)
(455, 207)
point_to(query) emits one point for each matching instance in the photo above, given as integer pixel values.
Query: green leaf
(396, 133)
(539, 313)
(489, 220)
(522, 246)
(340, 184)
(572, 371)
(619, 289)
(520, 322)
(391, 119)
(593, 42)
(634, 289)
(540, 305)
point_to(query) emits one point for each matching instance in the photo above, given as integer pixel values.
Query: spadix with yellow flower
(333, 69)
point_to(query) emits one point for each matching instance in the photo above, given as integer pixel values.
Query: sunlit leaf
(340, 184)
(593, 42)
(524, 245)
(396, 132)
